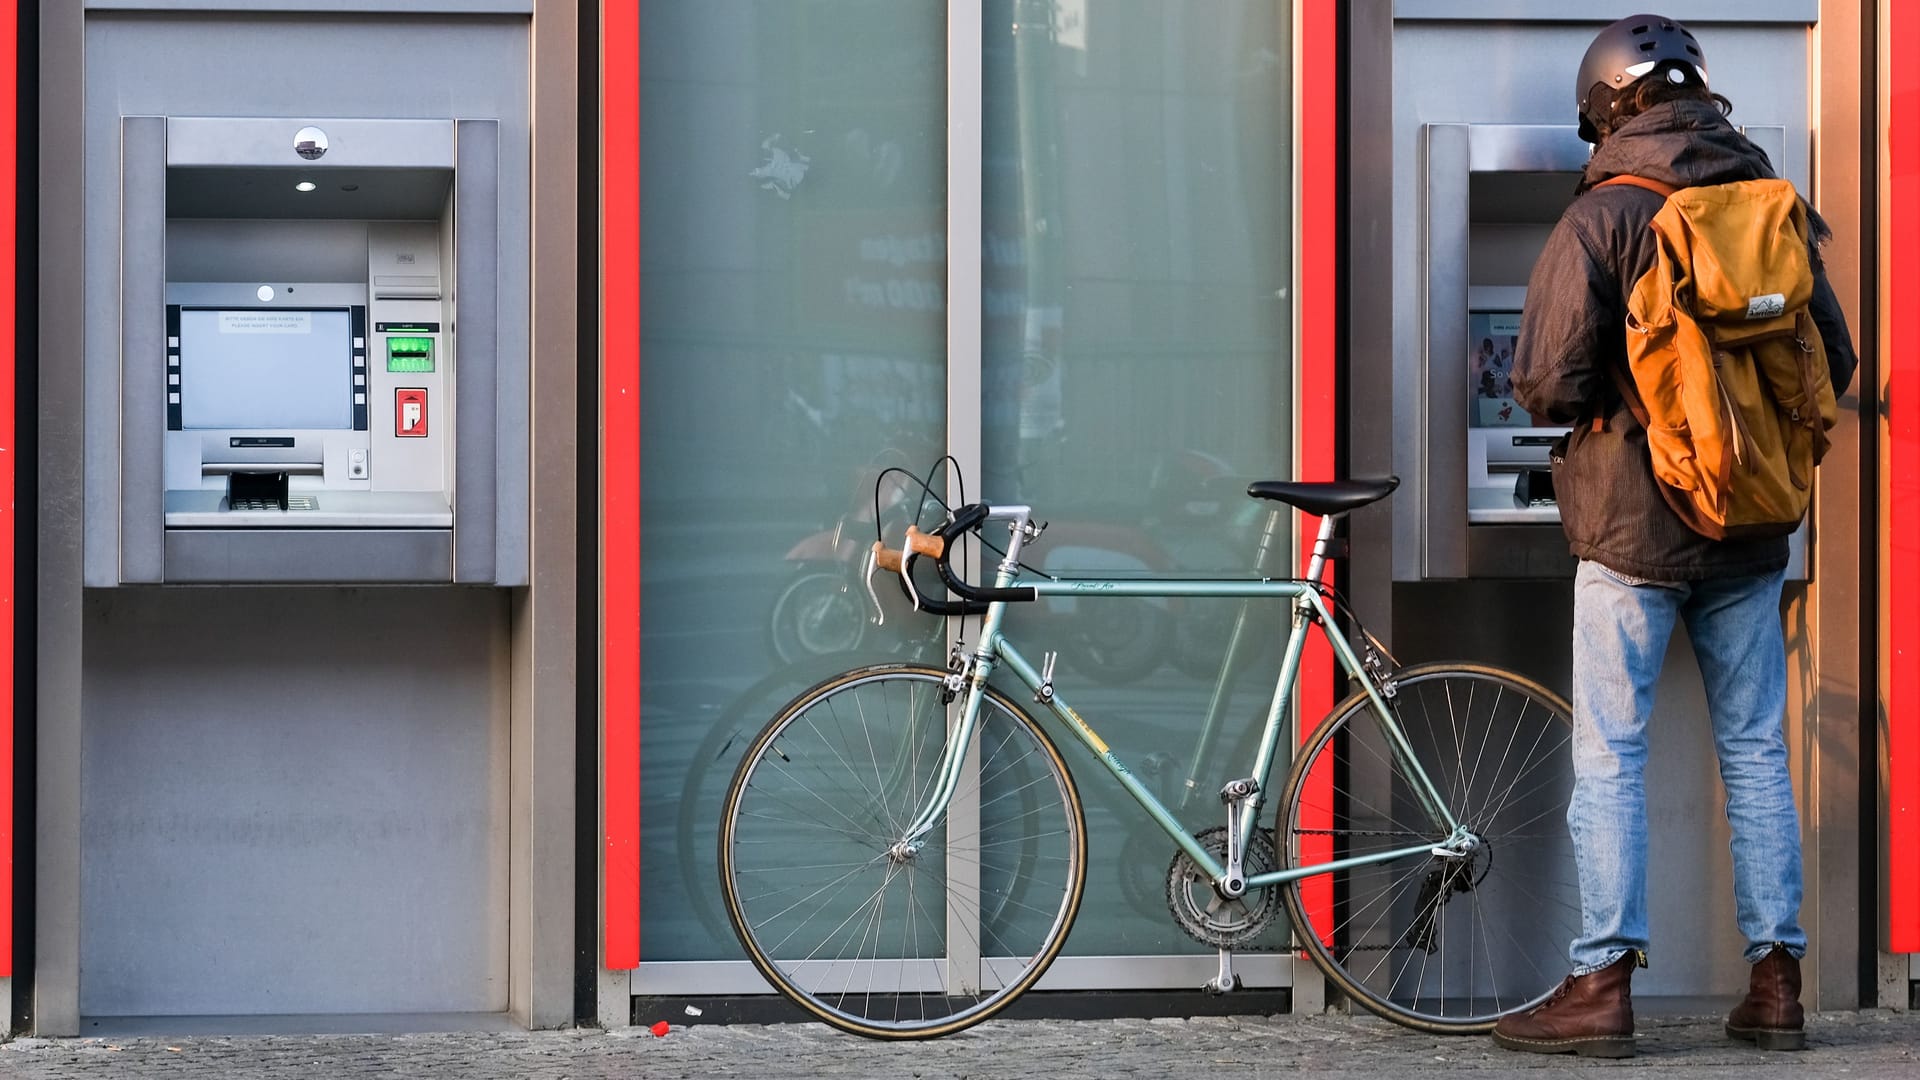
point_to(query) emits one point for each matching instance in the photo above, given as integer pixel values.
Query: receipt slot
(316, 385)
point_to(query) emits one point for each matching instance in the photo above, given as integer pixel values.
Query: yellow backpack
(1729, 374)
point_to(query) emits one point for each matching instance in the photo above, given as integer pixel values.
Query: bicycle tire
(1438, 943)
(837, 776)
(708, 771)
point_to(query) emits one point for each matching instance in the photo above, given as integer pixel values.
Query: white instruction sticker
(266, 322)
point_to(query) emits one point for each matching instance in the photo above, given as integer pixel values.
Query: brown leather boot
(1771, 1017)
(1590, 1015)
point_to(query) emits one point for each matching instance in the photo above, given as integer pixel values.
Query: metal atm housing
(310, 753)
(1491, 195)
(300, 401)
(1464, 160)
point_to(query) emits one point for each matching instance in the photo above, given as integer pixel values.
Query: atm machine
(313, 412)
(1492, 194)
(1472, 165)
(305, 714)
(275, 415)
(306, 504)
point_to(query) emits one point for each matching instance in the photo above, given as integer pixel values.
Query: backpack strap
(1655, 186)
(1621, 381)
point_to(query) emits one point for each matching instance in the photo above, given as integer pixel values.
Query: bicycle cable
(1327, 591)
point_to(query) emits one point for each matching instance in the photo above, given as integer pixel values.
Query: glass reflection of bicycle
(903, 848)
(822, 612)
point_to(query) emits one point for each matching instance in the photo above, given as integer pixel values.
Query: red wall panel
(1317, 244)
(1901, 356)
(9, 209)
(620, 479)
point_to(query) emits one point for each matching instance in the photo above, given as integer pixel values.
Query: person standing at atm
(1643, 100)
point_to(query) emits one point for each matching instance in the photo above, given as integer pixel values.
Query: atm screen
(266, 368)
(1490, 349)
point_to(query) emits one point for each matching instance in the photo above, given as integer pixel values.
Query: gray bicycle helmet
(1621, 54)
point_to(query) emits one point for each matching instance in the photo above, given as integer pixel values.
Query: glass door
(793, 251)
(1137, 317)
(1051, 236)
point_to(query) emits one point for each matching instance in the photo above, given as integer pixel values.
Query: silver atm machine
(1492, 193)
(303, 535)
(305, 712)
(301, 400)
(1473, 156)
(305, 404)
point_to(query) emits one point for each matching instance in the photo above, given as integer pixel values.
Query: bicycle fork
(967, 674)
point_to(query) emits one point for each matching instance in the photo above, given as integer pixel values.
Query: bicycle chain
(1355, 832)
(1361, 832)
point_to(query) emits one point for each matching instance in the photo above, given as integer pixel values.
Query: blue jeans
(1620, 629)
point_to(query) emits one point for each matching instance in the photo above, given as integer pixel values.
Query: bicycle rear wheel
(1438, 942)
(871, 934)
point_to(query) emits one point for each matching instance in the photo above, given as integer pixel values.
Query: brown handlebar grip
(886, 558)
(924, 543)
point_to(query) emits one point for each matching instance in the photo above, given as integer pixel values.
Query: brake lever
(887, 558)
(879, 613)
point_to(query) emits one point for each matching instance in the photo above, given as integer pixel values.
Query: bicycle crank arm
(1226, 981)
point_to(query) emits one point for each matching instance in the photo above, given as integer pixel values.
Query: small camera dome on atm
(310, 142)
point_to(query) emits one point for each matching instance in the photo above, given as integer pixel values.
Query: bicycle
(903, 848)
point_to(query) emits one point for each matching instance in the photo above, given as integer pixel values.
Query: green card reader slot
(410, 355)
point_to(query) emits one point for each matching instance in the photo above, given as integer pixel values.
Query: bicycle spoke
(868, 942)
(1442, 942)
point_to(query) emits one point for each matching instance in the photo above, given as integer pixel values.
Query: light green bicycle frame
(1308, 607)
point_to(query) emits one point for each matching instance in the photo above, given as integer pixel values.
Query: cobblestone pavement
(1857, 1046)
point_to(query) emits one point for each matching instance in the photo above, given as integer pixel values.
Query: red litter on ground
(660, 1029)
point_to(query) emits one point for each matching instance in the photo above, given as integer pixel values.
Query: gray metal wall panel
(218, 250)
(546, 657)
(1596, 12)
(308, 556)
(476, 352)
(1369, 283)
(164, 64)
(60, 520)
(511, 452)
(385, 144)
(1521, 73)
(295, 801)
(1442, 493)
(1839, 779)
(143, 383)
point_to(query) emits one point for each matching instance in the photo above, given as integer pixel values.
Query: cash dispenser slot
(256, 490)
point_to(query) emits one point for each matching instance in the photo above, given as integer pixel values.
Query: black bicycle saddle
(1324, 497)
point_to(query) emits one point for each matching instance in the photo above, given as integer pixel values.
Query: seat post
(1317, 566)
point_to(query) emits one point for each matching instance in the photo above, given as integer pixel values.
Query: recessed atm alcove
(1492, 195)
(311, 362)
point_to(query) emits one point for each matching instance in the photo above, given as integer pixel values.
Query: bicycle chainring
(1212, 919)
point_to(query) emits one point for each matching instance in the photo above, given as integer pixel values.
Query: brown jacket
(1573, 334)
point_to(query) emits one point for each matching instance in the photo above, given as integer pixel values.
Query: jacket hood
(1682, 143)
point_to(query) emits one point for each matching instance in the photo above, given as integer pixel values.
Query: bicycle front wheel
(1441, 940)
(871, 929)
